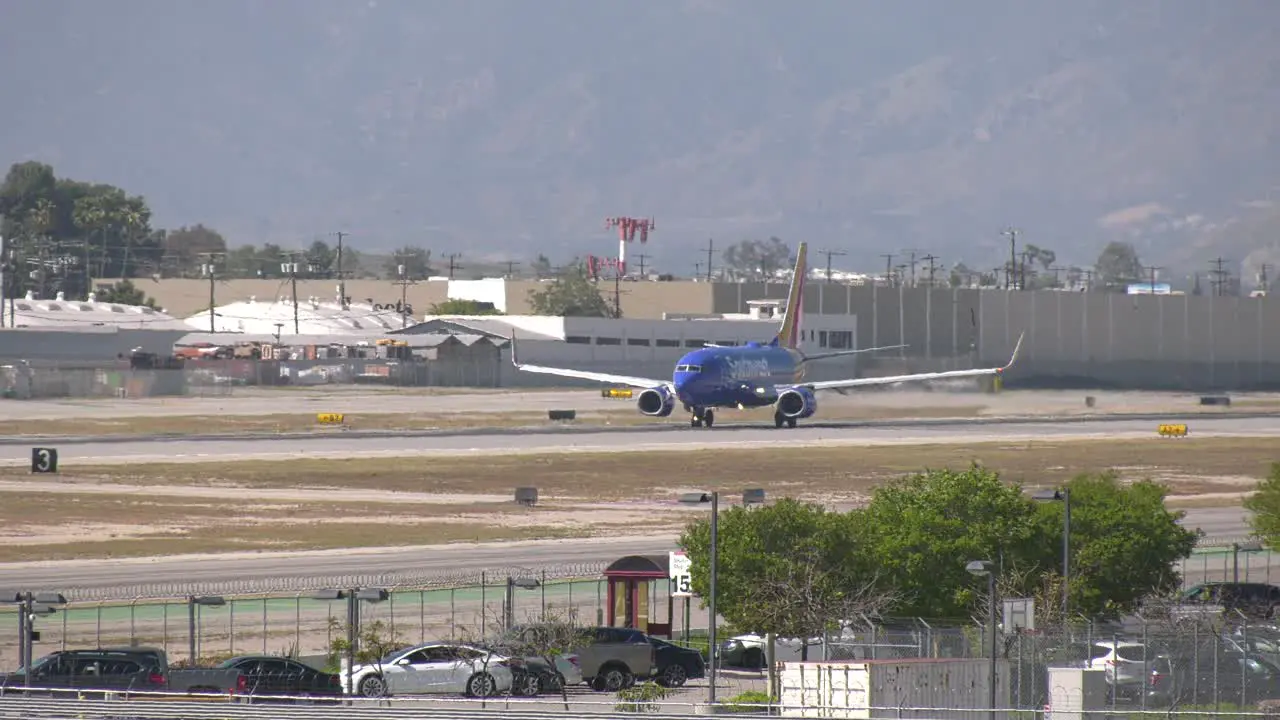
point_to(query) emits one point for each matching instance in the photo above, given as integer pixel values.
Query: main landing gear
(702, 417)
(779, 419)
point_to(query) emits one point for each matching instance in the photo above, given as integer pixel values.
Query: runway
(338, 444)
(1223, 523)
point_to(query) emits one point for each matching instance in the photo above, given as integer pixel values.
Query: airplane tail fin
(789, 334)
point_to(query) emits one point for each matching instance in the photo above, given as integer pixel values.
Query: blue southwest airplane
(752, 375)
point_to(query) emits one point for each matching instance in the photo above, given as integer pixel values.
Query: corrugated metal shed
(314, 318)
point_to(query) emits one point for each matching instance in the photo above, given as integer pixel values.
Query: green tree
(320, 259)
(1118, 264)
(183, 248)
(571, 294)
(463, 307)
(125, 292)
(921, 530)
(790, 568)
(1264, 504)
(541, 267)
(1124, 543)
(757, 259)
(416, 262)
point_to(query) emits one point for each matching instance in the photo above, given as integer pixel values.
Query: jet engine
(658, 402)
(797, 403)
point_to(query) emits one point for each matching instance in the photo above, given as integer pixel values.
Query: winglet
(1016, 348)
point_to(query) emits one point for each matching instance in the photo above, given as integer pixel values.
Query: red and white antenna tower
(628, 228)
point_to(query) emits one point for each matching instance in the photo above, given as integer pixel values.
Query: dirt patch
(314, 504)
(835, 471)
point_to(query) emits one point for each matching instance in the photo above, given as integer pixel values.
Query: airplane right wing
(947, 375)
(584, 374)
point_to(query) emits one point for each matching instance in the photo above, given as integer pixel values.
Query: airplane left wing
(947, 375)
(584, 374)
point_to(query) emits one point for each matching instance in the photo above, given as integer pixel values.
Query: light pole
(714, 499)
(353, 596)
(986, 568)
(1063, 495)
(1236, 549)
(524, 583)
(30, 606)
(192, 602)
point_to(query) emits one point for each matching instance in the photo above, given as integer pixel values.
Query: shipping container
(945, 689)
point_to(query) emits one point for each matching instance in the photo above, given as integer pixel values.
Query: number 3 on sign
(44, 460)
(682, 586)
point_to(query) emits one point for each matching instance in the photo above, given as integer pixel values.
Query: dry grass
(121, 510)
(214, 540)
(307, 422)
(1192, 463)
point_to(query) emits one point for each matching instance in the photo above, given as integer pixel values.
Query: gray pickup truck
(102, 671)
(611, 658)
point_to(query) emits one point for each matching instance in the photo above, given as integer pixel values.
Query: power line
(888, 267)
(291, 269)
(1219, 281)
(1153, 269)
(829, 254)
(932, 267)
(342, 278)
(404, 279)
(453, 265)
(209, 269)
(1013, 256)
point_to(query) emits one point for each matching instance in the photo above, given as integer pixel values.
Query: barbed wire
(287, 585)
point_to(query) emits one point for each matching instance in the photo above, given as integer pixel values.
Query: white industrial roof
(314, 318)
(62, 313)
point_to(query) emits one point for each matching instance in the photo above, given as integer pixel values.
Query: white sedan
(432, 669)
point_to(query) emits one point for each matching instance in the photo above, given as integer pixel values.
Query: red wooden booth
(636, 584)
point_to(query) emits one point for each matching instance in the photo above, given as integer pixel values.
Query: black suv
(674, 665)
(119, 669)
(1253, 599)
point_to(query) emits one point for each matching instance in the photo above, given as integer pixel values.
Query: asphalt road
(338, 444)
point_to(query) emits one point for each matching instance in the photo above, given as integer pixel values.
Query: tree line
(798, 570)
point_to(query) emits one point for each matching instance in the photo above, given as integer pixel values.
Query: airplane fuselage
(743, 376)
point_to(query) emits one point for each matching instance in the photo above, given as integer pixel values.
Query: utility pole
(511, 267)
(888, 268)
(1013, 257)
(291, 269)
(4, 288)
(711, 244)
(911, 263)
(404, 279)
(829, 253)
(1219, 276)
(932, 268)
(697, 269)
(453, 265)
(1152, 269)
(1022, 269)
(1261, 280)
(342, 278)
(209, 269)
(642, 257)
(1057, 274)
(1088, 279)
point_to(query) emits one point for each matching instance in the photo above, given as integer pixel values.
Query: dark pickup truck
(119, 670)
